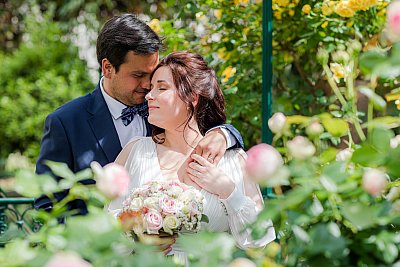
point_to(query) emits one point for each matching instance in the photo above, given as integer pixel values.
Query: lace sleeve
(243, 206)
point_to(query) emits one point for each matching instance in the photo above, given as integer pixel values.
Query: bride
(184, 101)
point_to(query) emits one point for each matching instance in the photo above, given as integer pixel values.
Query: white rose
(152, 203)
(277, 122)
(300, 148)
(170, 223)
(374, 181)
(136, 204)
(344, 155)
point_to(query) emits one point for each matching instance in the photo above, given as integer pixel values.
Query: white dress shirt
(125, 133)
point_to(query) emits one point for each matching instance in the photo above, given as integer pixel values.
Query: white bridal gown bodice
(229, 215)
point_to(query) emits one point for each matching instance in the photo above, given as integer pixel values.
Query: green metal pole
(266, 78)
(266, 70)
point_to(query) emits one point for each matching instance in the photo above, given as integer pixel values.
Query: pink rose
(393, 21)
(263, 162)
(67, 259)
(154, 221)
(112, 180)
(168, 205)
(374, 181)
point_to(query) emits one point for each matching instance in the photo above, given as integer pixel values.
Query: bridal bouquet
(163, 207)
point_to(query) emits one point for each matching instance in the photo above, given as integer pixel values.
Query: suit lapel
(102, 125)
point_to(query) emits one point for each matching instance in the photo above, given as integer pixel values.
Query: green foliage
(43, 73)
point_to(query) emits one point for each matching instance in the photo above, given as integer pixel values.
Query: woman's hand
(210, 177)
(163, 241)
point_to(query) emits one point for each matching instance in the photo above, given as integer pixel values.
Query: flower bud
(322, 56)
(300, 148)
(112, 180)
(263, 162)
(67, 259)
(395, 141)
(394, 193)
(314, 129)
(277, 122)
(354, 47)
(242, 262)
(341, 57)
(374, 181)
(344, 155)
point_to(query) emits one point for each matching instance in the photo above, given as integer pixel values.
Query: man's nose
(145, 83)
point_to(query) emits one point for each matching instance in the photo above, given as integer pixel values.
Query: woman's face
(166, 109)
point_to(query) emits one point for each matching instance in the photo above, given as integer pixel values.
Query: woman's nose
(149, 96)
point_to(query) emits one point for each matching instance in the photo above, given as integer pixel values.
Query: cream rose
(170, 223)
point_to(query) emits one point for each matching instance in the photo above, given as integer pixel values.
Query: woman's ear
(196, 100)
(106, 68)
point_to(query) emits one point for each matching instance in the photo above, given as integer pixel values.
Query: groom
(96, 126)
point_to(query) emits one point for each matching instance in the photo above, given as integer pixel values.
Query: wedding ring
(212, 159)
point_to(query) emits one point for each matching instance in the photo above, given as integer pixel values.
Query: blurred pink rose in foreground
(112, 180)
(67, 259)
(374, 181)
(277, 122)
(263, 162)
(393, 21)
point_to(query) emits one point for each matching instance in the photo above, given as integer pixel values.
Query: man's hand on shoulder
(212, 147)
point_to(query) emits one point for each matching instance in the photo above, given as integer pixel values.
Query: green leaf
(370, 59)
(61, 169)
(336, 127)
(368, 156)
(386, 121)
(328, 155)
(327, 240)
(362, 215)
(377, 101)
(379, 138)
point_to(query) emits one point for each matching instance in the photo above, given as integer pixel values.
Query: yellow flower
(228, 73)
(278, 15)
(306, 9)
(324, 25)
(154, 24)
(258, 1)
(291, 12)
(282, 3)
(218, 13)
(327, 8)
(392, 96)
(238, 2)
(362, 4)
(337, 70)
(343, 9)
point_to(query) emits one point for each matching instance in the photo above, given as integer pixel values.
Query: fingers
(201, 160)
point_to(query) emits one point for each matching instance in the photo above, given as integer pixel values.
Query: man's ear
(106, 68)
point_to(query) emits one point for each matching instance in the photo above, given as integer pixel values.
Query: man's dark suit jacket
(82, 131)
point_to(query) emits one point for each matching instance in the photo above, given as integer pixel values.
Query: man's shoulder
(73, 107)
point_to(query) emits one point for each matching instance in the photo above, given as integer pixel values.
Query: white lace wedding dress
(225, 215)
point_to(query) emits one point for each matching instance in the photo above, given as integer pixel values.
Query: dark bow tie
(128, 113)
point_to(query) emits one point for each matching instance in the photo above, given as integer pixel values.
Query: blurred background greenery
(47, 50)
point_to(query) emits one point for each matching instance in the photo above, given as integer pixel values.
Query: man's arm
(214, 144)
(54, 145)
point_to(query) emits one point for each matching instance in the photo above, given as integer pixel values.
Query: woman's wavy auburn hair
(194, 78)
